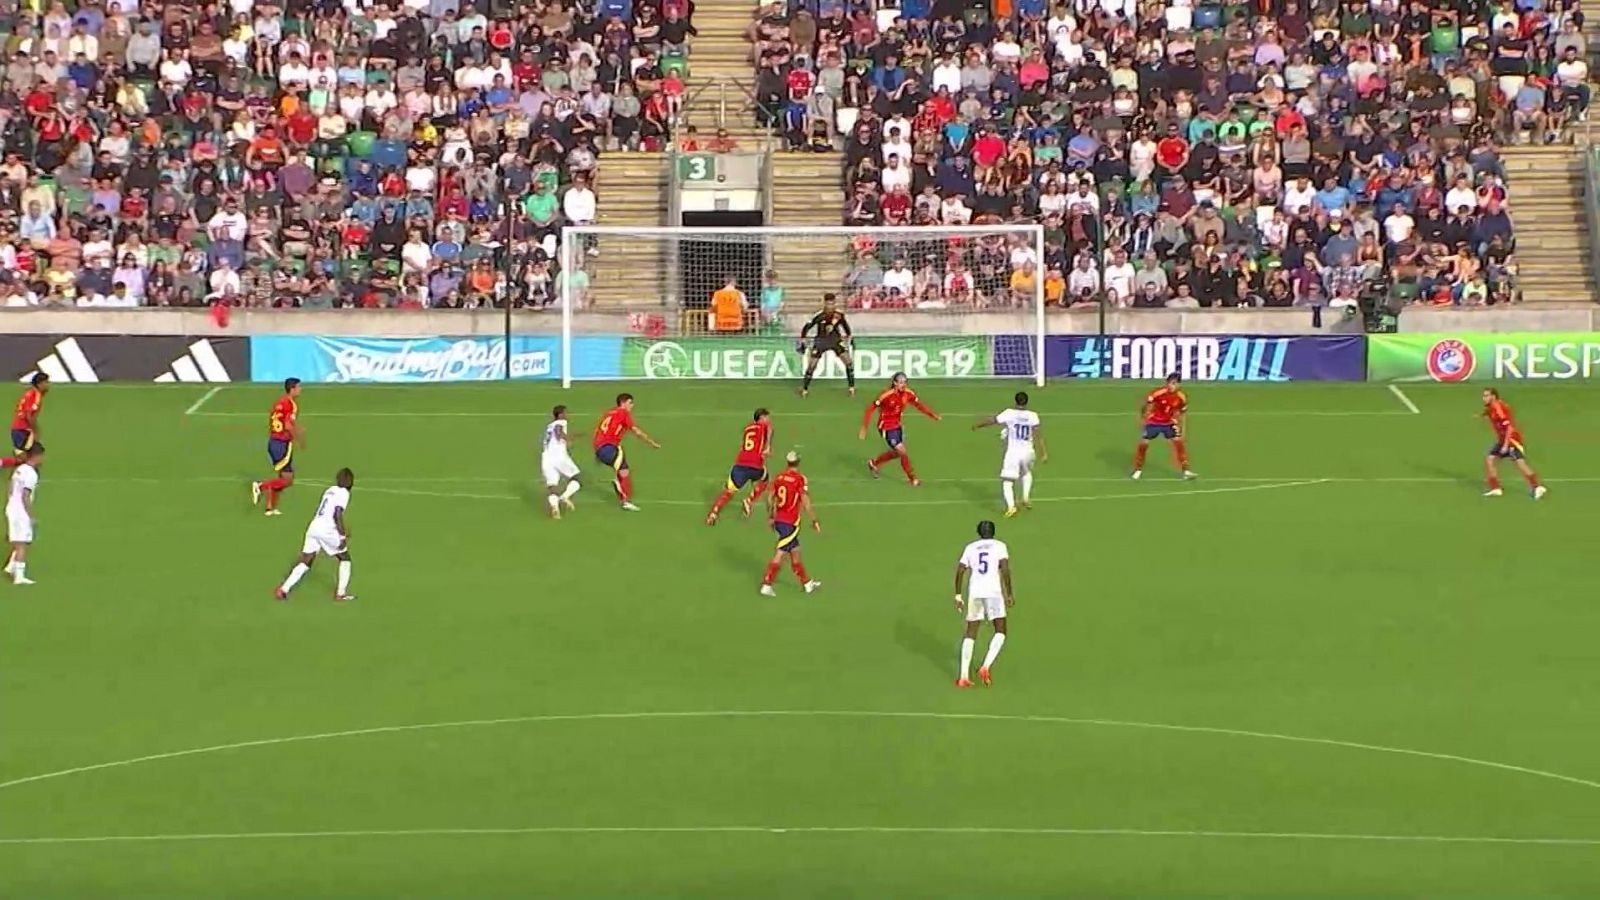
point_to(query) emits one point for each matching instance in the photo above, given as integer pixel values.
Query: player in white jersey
(328, 535)
(987, 564)
(1019, 429)
(555, 460)
(19, 513)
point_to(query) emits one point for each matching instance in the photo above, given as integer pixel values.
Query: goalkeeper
(832, 336)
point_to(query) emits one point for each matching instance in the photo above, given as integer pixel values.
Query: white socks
(19, 571)
(1008, 490)
(966, 658)
(572, 488)
(1027, 486)
(344, 586)
(295, 574)
(553, 500)
(995, 643)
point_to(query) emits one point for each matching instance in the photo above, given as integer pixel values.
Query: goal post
(934, 302)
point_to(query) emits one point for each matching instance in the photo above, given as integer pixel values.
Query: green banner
(1558, 356)
(752, 357)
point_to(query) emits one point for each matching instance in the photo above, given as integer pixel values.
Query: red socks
(905, 463)
(1532, 479)
(772, 572)
(761, 488)
(1180, 454)
(884, 457)
(624, 486)
(1494, 482)
(1138, 456)
(721, 501)
(10, 462)
(799, 570)
(272, 489)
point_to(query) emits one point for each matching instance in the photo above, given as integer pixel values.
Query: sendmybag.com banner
(1207, 357)
(1569, 356)
(750, 357)
(341, 360)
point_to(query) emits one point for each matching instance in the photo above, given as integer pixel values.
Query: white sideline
(806, 829)
(1401, 396)
(194, 408)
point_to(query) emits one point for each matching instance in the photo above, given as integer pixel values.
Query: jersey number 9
(781, 495)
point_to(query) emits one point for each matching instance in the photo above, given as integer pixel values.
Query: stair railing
(1591, 205)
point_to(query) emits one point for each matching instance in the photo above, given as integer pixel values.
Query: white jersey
(1017, 426)
(555, 460)
(982, 559)
(334, 499)
(554, 446)
(24, 480)
(19, 524)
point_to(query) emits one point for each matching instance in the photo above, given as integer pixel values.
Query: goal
(932, 302)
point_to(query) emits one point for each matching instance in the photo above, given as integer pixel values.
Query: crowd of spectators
(1179, 153)
(410, 153)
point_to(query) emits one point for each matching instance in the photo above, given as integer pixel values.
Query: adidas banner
(135, 357)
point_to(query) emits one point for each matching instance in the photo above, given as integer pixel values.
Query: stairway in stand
(721, 72)
(1545, 190)
(631, 192)
(806, 192)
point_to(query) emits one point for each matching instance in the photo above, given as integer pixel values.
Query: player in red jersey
(283, 434)
(1163, 414)
(608, 447)
(1507, 445)
(750, 464)
(891, 405)
(25, 421)
(787, 500)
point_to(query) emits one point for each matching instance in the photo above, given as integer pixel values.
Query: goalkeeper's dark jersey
(831, 328)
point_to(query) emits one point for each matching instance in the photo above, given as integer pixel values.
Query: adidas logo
(199, 364)
(67, 363)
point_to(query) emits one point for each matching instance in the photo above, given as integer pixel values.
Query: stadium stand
(1187, 154)
(318, 154)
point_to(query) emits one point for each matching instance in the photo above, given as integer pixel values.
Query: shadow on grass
(1459, 476)
(913, 637)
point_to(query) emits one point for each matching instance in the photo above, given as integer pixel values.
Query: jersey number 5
(983, 563)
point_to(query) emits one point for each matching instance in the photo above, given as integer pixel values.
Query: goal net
(731, 303)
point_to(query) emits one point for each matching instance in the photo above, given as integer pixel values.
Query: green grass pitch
(1328, 668)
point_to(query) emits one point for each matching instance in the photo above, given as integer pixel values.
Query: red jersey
(788, 489)
(280, 423)
(27, 414)
(891, 405)
(1499, 416)
(753, 446)
(1163, 406)
(613, 425)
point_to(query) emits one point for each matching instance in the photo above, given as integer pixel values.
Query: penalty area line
(194, 408)
(1404, 400)
(928, 831)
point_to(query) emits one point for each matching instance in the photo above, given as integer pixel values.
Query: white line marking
(806, 829)
(194, 408)
(938, 501)
(1404, 400)
(802, 414)
(801, 713)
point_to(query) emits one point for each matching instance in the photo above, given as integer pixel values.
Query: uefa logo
(1450, 361)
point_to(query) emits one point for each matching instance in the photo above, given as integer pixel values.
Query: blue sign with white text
(342, 360)
(1207, 357)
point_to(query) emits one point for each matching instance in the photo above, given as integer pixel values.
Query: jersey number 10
(1022, 432)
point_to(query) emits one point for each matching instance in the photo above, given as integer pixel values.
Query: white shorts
(327, 541)
(19, 528)
(558, 468)
(1016, 464)
(981, 608)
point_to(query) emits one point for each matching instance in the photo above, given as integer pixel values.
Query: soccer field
(1326, 668)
